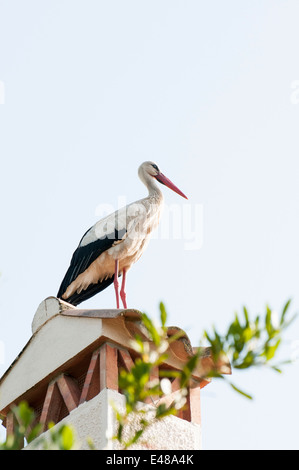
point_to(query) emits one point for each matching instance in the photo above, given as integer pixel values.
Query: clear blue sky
(94, 88)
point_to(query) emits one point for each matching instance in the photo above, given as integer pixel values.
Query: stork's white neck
(150, 183)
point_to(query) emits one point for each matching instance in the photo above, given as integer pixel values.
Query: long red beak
(162, 179)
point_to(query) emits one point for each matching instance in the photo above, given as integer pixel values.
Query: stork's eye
(155, 166)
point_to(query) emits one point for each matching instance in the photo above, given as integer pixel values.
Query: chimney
(68, 373)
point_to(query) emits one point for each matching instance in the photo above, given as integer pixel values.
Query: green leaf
(163, 314)
(24, 414)
(248, 361)
(241, 391)
(136, 436)
(276, 369)
(284, 311)
(270, 351)
(248, 333)
(163, 410)
(149, 325)
(246, 316)
(35, 432)
(268, 323)
(120, 431)
(188, 369)
(169, 373)
(67, 437)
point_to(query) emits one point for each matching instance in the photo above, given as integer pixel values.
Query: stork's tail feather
(93, 289)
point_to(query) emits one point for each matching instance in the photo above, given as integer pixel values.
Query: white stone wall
(95, 420)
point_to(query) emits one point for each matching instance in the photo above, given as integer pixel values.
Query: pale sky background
(92, 89)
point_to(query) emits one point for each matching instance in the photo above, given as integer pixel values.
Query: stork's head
(151, 169)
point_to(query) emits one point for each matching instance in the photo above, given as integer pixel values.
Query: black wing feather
(93, 289)
(82, 259)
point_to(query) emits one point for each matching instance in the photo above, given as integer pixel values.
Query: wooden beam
(52, 405)
(125, 359)
(92, 380)
(9, 423)
(108, 367)
(69, 390)
(194, 405)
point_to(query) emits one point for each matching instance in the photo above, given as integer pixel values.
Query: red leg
(123, 295)
(116, 283)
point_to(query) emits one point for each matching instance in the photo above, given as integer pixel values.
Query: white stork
(110, 247)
